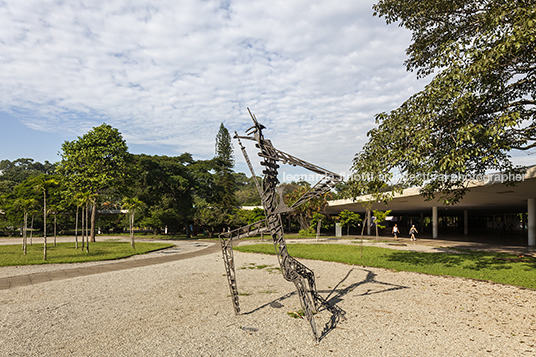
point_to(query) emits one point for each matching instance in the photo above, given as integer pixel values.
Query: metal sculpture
(274, 206)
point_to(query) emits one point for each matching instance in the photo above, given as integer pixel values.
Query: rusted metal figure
(274, 206)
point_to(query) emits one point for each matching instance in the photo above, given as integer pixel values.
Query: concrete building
(490, 210)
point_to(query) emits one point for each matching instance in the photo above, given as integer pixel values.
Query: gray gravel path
(182, 308)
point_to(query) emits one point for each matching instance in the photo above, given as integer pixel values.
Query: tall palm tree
(33, 212)
(85, 199)
(26, 205)
(43, 183)
(132, 205)
(78, 203)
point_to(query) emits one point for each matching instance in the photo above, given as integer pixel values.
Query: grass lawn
(498, 267)
(67, 253)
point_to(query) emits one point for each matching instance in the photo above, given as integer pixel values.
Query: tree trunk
(93, 219)
(87, 232)
(31, 231)
(318, 226)
(76, 229)
(54, 229)
(45, 225)
(132, 230)
(303, 222)
(362, 240)
(83, 232)
(187, 230)
(24, 232)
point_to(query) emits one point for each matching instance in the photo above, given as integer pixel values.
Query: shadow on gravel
(276, 303)
(338, 294)
(337, 297)
(370, 278)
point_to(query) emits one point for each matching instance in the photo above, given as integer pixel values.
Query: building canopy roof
(486, 195)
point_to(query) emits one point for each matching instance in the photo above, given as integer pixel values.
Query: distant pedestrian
(412, 232)
(395, 232)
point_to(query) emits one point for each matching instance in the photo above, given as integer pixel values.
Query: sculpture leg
(307, 304)
(228, 260)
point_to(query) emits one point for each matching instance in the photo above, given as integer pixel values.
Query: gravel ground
(183, 308)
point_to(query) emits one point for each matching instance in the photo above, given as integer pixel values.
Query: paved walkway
(460, 243)
(453, 242)
(107, 266)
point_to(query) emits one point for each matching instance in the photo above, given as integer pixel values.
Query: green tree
(348, 219)
(224, 147)
(252, 216)
(43, 183)
(6, 224)
(26, 205)
(479, 106)
(325, 221)
(78, 202)
(132, 204)
(224, 172)
(246, 190)
(167, 186)
(155, 218)
(304, 213)
(86, 199)
(94, 163)
(211, 219)
(380, 217)
(56, 206)
(13, 173)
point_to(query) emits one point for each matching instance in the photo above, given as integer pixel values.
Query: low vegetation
(497, 267)
(67, 253)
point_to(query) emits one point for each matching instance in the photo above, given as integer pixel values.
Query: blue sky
(166, 73)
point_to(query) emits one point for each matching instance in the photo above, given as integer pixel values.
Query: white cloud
(168, 72)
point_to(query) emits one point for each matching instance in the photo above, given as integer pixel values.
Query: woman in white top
(395, 232)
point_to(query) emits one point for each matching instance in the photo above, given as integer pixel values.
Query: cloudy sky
(167, 73)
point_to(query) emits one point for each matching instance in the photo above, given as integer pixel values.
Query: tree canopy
(348, 219)
(166, 185)
(225, 180)
(93, 163)
(305, 212)
(178, 194)
(15, 172)
(479, 106)
(224, 147)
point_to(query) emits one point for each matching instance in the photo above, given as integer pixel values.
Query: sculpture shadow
(338, 294)
(335, 296)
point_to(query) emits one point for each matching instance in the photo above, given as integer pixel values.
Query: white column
(531, 221)
(434, 222)
(465, 222)
(368, 222)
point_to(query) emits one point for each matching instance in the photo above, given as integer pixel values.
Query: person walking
(412, 232)
(395, 232)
